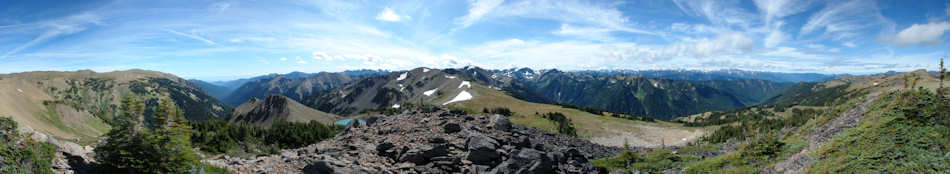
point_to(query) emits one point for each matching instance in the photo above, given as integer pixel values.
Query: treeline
(597, 111)
(731, 116)
(756, 125)
(633, 117)
(564, 125)
(217, 136)
(591, 110)
(21, 154)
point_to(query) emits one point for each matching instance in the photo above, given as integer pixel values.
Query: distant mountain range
(653, 93)
(731, 74)
(294, 85)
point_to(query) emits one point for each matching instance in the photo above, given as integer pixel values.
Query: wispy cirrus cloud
(842, 20)
(192, 36)
(52, 29)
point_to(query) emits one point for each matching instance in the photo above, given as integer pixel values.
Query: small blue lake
(347, 121)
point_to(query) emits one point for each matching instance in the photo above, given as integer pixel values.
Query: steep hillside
(219, 92)
(453, 89)
(878, 124)
(264, 112)
(659, 98)
(79, 104)
(293, 85)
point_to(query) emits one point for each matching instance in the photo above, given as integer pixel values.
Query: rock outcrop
(70, 157)
(439, 141)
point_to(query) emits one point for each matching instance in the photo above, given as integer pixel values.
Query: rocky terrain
(432, 141)
(69, 158)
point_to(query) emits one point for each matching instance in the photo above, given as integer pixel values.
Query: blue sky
(218, 40)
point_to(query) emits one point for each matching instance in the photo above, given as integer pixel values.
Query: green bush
(217, 136)
(564, 124)
(500, 111)
(20, 154)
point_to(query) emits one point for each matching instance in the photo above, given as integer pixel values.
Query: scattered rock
(405, 144)
(451, 128)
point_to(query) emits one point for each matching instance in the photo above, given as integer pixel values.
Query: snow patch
(494, 76)
(425, 69)
(401, 87)
(466, 84)
(463, 96)
(656, 85)
(430, 92)
(875, 84)
(396, 106)
(18, 89)
(450, 77)
(403, 76)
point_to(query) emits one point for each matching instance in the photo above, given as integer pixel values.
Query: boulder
(319, 167)
(500, 122)
(424, 154)
(451, 128)
(482, 149)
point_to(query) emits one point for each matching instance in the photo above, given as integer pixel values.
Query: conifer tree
(943, 74)
(164, 147)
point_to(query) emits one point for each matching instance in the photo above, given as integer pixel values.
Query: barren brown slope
(275, 107)
(76, 105)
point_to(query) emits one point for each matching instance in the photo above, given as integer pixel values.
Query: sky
(221, 40)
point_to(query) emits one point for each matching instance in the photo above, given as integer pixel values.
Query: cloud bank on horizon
(223, 39)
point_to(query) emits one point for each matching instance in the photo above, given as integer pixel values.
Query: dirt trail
(821, 135)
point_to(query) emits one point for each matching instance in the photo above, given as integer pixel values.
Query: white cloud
(478, 10)
(591, 33)
(323, 56)
(192, 36)
(388, 15)
(948, 9)
(716, 12)
(776, 36)
(283, 59)
(54, 28)
(301, 61)
(849, 44)
(777, 9)
(917, 34)
(840, 20)
(590, 14)
(579, 55)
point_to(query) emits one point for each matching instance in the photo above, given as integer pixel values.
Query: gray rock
(319, 167)
(500, 122)
(423, 155)
(482, 149)
(451, 128)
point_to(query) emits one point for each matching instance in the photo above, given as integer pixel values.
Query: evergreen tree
(943, 74)
(164, 147)
(123, 149)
